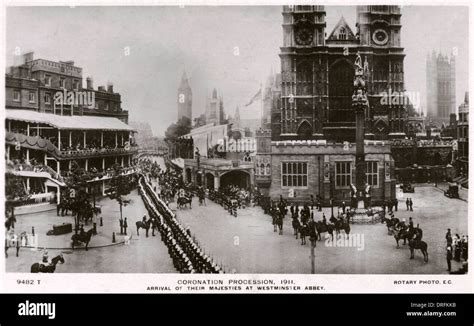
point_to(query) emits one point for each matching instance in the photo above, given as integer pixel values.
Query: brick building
(53, 124)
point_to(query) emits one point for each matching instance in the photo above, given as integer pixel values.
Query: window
(372, 173)
(75, 84)
(31, 97)
(106, 106)
(342, 34)
(294, 174)
(47, 98)
(16, 95)
(47, 80)
(62, 82)
(343, 174)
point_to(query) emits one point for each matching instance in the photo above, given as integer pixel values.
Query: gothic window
(341, 78)
(305, 131)
(267, 169)
(342, 34)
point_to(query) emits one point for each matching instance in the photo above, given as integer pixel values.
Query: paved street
(247, 244)
(143, 255)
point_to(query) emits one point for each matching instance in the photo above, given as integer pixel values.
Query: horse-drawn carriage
(60, 229)
(452, 191)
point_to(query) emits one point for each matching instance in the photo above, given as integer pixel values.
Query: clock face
(304, 36)
(380, 37)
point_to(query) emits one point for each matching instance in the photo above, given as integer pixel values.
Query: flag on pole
(255, 97)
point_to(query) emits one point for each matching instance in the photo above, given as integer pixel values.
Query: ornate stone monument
(362, 212)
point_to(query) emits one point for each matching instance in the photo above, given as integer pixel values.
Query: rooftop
(68, 122)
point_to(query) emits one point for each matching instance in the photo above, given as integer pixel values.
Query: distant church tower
(215, 109)
(440, 87)
(185, 98)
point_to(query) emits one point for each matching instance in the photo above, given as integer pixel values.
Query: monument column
(360, 103)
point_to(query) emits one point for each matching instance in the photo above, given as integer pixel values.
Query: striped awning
(75, 122)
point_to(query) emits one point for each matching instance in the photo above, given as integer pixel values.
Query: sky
(144, 50)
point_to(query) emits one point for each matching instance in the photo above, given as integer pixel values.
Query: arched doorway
(209, 181)
(238, 178)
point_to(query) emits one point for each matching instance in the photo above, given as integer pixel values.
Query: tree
(15, 194)
(178, 129)
(120, 186)
(75, 195)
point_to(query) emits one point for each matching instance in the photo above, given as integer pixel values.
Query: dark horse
(183, 201)
(146, 225)
(295, 223)
(324, 227)
(418, 244)
(82, 238)
(404, 233)
(41, 268)
(342, 224)
(278, 222)
(391, 224)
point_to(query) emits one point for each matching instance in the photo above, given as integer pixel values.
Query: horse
(391, 224)
(42, 268)
(144, 225)
(404, 233)
(341, 224)
(83, 238)
(324, 227)
(304, 231)
(295, 223)
(278, 221)
(183, 201)
(418, 244)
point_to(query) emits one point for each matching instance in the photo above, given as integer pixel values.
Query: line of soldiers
(187, 256)
(229, 203)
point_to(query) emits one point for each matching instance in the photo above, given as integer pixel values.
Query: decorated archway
(209, 181)
(238, 178)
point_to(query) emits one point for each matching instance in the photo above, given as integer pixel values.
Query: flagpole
(261, 106)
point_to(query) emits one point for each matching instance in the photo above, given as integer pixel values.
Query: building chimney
(101, 89)
(68, 63)
(90, 83)
(110, 87)
(28, 56)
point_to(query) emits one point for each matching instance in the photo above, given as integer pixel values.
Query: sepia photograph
(250, 139)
